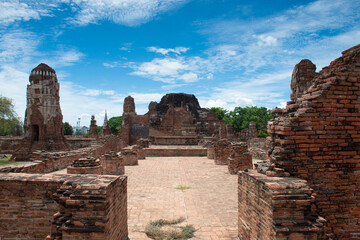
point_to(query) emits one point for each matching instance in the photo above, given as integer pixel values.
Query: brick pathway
(210, 205)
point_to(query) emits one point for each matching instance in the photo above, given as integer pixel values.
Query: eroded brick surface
(317, 138)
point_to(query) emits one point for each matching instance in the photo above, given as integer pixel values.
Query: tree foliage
(240, 118)
(9, 121)
(68, 129)
(115, 124)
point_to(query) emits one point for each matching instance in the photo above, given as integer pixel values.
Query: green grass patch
(163, 229)
(182, 187)
(6, 161)
(202, 155)
(152, 156)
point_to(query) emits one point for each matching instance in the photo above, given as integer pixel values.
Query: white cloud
(125, 12)
(17, 44)
(165, 51)
(264, 40)
(12, 11)
(189, 77)
(96, 92)
(83, 12)
(165, 70)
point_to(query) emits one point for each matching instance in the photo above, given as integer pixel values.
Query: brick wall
(92, 207)
(275, 208)
(222, 152)
(317, 138)
(28, 206)
(130, 157)
(113, 164)
(240, 158)
(9, 144)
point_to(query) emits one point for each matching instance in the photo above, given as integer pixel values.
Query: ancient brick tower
(93, 128)
(43, 118)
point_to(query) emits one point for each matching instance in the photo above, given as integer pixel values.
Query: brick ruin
(308, 190)
(93, 128)
(62, 206)
(316, 140)
(177, 120)
(43, 124)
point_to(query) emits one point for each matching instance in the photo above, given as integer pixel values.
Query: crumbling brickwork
(43, 118)
(93, 133)
(134, 127)
(113, 164)
(249, 133)
(130, 157)
(79, 206)
(276, 208)
(87, 165)
(177, 120)
(317, 138)
(240, 159)
(222, 151)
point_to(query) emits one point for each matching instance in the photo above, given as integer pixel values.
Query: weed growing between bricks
(154, 229)
(182, 187)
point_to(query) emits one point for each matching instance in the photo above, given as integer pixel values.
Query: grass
(182, 187)
(202, 155)
(6, 161)
(155, 231)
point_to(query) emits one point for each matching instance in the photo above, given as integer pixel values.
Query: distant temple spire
(105, 119)
(106, 130)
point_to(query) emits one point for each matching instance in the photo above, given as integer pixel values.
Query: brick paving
(210, 205)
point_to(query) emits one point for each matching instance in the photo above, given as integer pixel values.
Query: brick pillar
(130, 157)
(113, 164)
(240, 158)
(85, 166)
(276, 208)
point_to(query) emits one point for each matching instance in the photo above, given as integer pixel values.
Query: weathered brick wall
(85, 166)
(317, 138)
(240, 158)
(275, 208)
(81, 206)
(92, 207)
(222, 152)
(113, 164)
(174, 140)
(210, 152)
(9, 144)
(26, 205)
(130, 157)
(171, 152)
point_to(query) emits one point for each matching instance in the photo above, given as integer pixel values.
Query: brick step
(174, 151)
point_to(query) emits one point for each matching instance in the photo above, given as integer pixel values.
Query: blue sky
(227, 52)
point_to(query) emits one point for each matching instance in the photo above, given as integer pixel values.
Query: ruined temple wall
(46, 162)
(317, 138)
(275, 208)
(74, 203)
(26, 206)
(134, 127)
(9, 144)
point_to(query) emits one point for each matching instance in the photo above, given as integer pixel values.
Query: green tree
(78, 132)
(220, 112)
(8, 117)
(241, 117)
(98, 129)
(68, 129)
(115, 124)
